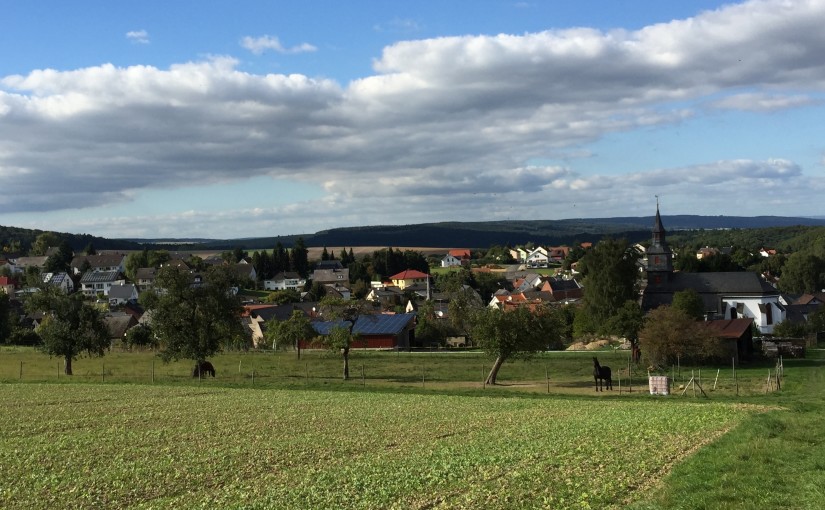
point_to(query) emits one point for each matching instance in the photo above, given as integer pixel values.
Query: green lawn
(418, 431)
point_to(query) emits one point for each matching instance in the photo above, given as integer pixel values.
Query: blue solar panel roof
(370, 324)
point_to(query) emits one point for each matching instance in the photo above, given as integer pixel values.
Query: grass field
(397, 439)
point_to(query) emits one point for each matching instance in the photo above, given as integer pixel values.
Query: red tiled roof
(729, 328)
(409, 274)
(460, 253)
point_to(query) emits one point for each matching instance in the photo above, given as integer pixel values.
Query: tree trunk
(68, 366)
(345, 352)
(491, 378)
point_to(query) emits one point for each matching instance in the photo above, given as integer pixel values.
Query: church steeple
(659, 256)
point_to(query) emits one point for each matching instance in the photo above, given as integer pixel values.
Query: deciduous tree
(515, 334)
(70, 326)
(192, 320)
(290, 332)
(670, 333)
(611, 275)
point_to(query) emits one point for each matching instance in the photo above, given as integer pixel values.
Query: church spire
(659, 256)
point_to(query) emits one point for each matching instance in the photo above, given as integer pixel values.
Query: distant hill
(457, 234)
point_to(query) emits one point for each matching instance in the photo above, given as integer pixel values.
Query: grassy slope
(772, 460)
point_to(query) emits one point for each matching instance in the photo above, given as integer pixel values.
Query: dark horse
(602, 374)
(202, 369)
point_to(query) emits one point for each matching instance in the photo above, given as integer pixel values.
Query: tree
(342, 337)
(282, 297)
(5, 318)
(43, 242)
(427, 330)
(193, 321)
(140, 336)
(60, 260)
(516, 334)
(70, 327)
(611, 274)
(670, 334)
(298, 258)
(627, 322)
(290, 332)
(690, 302)
(803, 272)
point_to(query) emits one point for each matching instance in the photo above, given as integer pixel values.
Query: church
(726, 295)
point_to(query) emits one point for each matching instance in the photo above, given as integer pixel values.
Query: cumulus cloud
(440, 124)
(138, 36)
(258, 45)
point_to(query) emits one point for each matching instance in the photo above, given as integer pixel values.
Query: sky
(237, 119)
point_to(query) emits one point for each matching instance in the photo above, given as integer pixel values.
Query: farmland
(393, 444)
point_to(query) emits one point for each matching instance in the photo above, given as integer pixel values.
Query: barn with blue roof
(377, 331)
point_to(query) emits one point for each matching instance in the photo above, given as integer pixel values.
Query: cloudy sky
(249, 118)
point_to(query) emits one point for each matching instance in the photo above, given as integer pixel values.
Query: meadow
(420, 431)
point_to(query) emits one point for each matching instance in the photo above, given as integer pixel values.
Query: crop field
(143, 446)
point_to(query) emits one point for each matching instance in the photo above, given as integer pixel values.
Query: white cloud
(138, 36)
(762, 102)
(258, 45)
(442, 123)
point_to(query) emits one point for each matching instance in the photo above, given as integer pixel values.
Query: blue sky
(247, 119)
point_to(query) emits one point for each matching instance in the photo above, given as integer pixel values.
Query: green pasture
(551, 372)
(419, 430)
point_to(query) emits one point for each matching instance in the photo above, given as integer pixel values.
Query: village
(737, 306)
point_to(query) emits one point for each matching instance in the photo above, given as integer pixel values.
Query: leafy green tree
(140, 336)
(290, 332)
(61, 259)
(70, 327)
(611, 275)
(90, 249)
(43, 242)
(690, 302)
(282, 297)
(670, 334)
(803, 272)
(788, 329)
(427, 330)
(627, 322)
(516, 334)
(193, 321)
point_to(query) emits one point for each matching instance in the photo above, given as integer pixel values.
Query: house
(538, 258)
(99, 282)
(23, 263)
(726, 295)
(60, 280)
(706, 252)
(145, 277)
(7, 285)
(284, 281)
(9, 265)
(331, 276)
(563, 290)
(388, 297)
(558, 253)
(122, 293)
(118, 324)
(245, 271)
(255, 318)
(519, 254)
(105, 262)
(450, 261)
(376, 331)
(456, 257)
(408, 278)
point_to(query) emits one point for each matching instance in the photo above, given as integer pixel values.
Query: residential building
(104, 262)
(60, 280)
(99, 282)
(408, 278)
(284, 281)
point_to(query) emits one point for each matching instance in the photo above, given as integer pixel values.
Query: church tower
(659, 256)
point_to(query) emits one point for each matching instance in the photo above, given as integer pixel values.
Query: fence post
(735, 380)
(547, 378)
(21, 370)
(153, 371)
(103, 370)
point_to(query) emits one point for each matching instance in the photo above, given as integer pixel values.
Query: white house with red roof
(408, 278)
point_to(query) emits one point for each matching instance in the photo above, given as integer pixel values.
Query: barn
(376, 331)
